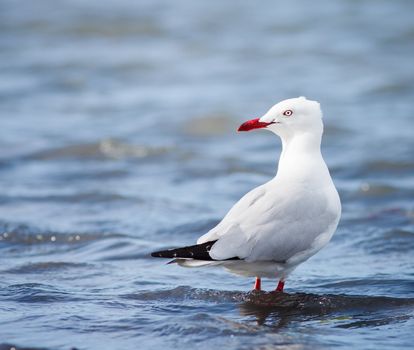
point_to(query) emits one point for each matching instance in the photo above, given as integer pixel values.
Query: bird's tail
(194, 263)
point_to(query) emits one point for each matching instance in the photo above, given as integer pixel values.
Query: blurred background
(117, 123)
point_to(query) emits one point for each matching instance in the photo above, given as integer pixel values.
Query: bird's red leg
(258, 284)
(280, 286)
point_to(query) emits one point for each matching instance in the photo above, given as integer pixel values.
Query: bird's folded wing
(236, 212)
(269, 230)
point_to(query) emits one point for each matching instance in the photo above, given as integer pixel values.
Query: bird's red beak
(253, 124)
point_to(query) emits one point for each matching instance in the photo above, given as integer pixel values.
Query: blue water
(118, 138)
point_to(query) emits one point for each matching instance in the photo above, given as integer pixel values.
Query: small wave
(117, 249)
(41, 267)
(346, 311)
(393, 286)
(377, 190)
(389, 166)
(105, 149)
(85, 197)
(36, 293)
(375, 321)
(192, 228)
(398, 240)
(279, 309)
(276, 300)
(187, 293)
(205, 325)
(24, 234)
(325, 303)
(6, 346)
(118, 28)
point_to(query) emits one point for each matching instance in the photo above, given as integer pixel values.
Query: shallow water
(118, 138)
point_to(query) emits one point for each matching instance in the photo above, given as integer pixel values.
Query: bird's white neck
(303, 144)
(301, 159)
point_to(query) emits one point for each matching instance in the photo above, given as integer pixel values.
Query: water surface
(118, 138)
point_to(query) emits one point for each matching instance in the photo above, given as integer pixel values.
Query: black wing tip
(160, 254)
(197, 252)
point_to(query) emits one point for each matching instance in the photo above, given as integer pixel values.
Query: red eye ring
(287, 113)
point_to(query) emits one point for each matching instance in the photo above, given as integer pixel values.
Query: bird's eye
(287, 113)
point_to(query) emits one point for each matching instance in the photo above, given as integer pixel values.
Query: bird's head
(289, 117)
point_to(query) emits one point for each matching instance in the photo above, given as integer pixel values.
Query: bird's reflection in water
(280, 308)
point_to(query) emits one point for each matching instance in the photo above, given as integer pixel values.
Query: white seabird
(282, 223)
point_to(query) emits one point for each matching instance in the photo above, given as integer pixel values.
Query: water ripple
(105, 149)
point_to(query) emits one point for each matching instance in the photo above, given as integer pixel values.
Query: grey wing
(238, 210)
(275, 230)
